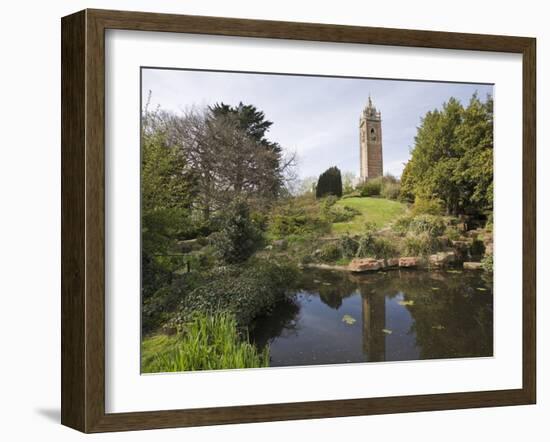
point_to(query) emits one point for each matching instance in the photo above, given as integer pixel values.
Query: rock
(392, 262)
(489, 249)
(365, 265)
(441, 259)
(409, 261)
(472, 266)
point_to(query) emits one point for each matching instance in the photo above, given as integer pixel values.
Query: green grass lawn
(379, 211)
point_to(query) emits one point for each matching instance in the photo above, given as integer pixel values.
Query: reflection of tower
(370, 143)
(374, 322)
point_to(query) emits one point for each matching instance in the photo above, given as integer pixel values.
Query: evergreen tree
(452, 158)
(329, 183)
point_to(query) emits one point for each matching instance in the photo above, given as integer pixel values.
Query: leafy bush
(402, 224)
(245, 291)
(371, 187)
(348, 246)
(452, 233)
(209, 342)
(298, 216)
(487, 263)
(336, 214)
(391, 190)
(238, 237)
(422, 244)
(371, 246)
(425, 206)
(430, 224)
(330, 252)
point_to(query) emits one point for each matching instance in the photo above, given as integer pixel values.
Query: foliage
(487, 263)
(238, 237)
(166, 192)
(329, 183)
(301, 215)
(337, 213)
(427, 206)
(452, 158)
(391, 191)
(452, 233)
(245, 291)
(422, 244)
(348, 246)
(330, 252)
(348, 182)
(401, 225)
(209, 342)
(432, 225)
(371, 187)
(370, 245)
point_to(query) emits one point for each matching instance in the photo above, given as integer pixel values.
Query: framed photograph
(269, 220)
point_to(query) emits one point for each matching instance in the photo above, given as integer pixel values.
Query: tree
(452, 158)
(329, 183)
(230, 156)
(167, 191)
(348, 182)
(238, 237)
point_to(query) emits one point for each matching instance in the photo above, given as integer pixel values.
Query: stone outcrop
(358, 265)
(409, 261)
(441, 259)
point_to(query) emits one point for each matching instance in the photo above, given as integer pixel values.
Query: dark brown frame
(83, 216)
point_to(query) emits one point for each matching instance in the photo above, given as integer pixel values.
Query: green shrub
(452, 233)
(421, 244)
(366, 247)
(371, 246)
(298, 216)
(348, 246)
(401, 225)
(430, 224)
(330, 252)
(391, 190)
(354, 194)
(238, 237)
(487, 263)
(385, 248)
(336, 214)
(209, 342)
(425, 206)
(245, 291)
(371, 187)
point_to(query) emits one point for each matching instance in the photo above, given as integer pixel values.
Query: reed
(209, 342)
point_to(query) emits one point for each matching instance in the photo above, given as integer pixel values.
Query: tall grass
(209, 342)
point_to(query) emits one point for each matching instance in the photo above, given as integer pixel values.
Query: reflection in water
(402, 315)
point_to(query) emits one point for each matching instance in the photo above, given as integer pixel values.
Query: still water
(337, 317)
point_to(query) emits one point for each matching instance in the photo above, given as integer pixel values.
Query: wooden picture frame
(83, 220)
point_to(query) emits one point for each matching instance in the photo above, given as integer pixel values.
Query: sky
(316, 117)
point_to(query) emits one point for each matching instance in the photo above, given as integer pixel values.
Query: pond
(337, 317)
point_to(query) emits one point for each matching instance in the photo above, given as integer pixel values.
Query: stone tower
(370, 142)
